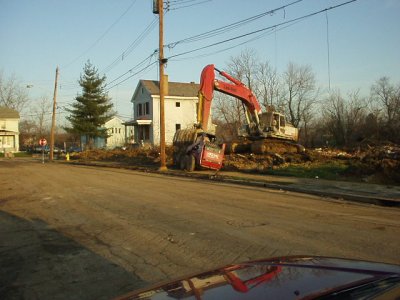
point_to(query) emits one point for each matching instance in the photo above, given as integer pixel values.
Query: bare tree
(41, 116)
(228, 114)
(344, 120)
(300, 93)
(268, 85)
(244, 67)
(333, 111)
(230, 110)
(27, 133)
(12, 93)
(387, 97)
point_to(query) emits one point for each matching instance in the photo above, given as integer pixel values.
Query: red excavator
(263, 132)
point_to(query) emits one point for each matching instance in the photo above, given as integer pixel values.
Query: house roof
(180, 89)
(6, 112)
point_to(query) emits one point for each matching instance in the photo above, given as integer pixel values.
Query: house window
(147, 108)
(177, 127)
(119, 130)
(112, 130)
(177, 104)
(139, 109)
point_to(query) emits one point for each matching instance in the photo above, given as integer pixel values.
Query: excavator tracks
(265, 146)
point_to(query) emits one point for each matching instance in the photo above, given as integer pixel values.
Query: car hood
(296, 277)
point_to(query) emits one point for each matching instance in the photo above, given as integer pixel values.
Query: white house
(116, 135)
(180, 107)
(116, 132)
(9, 133)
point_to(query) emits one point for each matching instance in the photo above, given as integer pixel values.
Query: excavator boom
(234, 88)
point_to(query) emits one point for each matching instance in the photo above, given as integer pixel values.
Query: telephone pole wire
(53, 118)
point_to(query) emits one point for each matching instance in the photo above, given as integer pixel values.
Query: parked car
(39, 149)
(296, 277)
(74, 149)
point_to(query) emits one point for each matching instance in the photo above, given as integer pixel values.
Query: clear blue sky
(36, 36)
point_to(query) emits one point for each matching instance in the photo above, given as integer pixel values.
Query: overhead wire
(134, 74)
(133, 68)
(262, 29)
(273, 30)
(229, 27)
(101, 36)
(174, 7)
(132, 46)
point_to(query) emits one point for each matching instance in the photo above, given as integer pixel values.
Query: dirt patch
(375, 163)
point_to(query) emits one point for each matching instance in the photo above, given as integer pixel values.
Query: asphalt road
(76, 232)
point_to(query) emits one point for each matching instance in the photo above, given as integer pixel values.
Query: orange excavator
(263, 132)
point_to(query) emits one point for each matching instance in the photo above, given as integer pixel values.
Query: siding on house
(9, 132)
(116, 138)
(116, 133)
(180, 110)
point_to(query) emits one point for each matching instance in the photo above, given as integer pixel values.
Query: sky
(120, 38)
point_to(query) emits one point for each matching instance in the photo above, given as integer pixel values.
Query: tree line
(87, 114)
(323, 118)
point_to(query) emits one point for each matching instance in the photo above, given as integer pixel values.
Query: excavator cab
(274, 125)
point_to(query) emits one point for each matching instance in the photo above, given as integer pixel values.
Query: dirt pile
(262, 162)
(378, 161)
(136, 156)
(374, 163)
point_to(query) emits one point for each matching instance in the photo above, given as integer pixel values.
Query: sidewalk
(384, 195)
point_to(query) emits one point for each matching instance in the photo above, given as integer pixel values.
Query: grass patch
(328, 170)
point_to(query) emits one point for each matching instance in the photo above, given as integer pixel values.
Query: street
(83, 232)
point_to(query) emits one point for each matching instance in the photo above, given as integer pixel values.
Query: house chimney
(165, 85)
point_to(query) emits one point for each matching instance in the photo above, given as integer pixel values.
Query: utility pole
(53, 119)
(163, 166)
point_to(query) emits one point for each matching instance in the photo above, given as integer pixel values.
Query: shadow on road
(37, 262)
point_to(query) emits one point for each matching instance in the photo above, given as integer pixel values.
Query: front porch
(9, 141)
(138, 132)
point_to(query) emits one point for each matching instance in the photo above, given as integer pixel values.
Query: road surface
(94, 233)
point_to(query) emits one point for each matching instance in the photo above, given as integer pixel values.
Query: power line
(133, 68)
(328, 49)
(101, 36)
(140, 71)
(237, 45)
(262, 29)
(229, 27)
(176, 6)
(132, 46)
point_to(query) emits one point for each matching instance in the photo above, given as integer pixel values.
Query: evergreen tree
(92, 109)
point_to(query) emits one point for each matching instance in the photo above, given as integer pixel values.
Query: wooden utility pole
(163, 166)
(53, 119)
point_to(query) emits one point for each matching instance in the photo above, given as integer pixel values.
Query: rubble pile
(374, 163)
(380, 161)
(137, 156)
(262, 162)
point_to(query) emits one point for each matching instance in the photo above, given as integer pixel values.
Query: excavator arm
(234, 88)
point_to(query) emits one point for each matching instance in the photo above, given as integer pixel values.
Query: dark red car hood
(284, 278)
